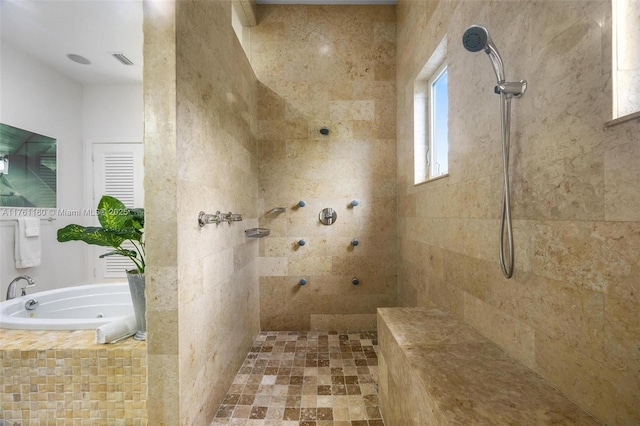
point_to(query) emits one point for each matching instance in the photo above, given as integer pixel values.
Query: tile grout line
(305, 379)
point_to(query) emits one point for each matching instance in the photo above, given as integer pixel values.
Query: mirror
(31, 181)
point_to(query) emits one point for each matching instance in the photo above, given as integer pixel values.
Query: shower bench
(435, 370)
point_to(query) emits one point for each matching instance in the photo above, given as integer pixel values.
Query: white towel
(27, 245)
(116, 330)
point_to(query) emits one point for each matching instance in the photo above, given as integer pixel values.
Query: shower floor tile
(306, 378)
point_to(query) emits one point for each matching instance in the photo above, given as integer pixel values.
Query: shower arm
(509, 88)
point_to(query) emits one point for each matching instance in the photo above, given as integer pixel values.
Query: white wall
(111, 114)
(37, 98)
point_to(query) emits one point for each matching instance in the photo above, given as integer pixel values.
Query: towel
(27, 244)
(116, 330)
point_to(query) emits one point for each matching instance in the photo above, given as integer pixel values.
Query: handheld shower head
(475, 39)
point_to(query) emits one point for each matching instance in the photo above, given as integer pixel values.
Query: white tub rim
(9, 308)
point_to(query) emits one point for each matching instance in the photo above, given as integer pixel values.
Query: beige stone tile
(322, 322)
(271, 105)
(273, 266)
(324, 66)
(430, 369)
(310, 265)
(447, 297)
(281, 129)
(622, 334)
(513, 335)
(163, 340)
(163, 392)
(597, 256)
(542, 303)
(607, 393)
(622, 200)
(476, 277)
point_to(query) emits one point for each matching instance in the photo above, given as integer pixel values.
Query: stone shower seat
(437, 370)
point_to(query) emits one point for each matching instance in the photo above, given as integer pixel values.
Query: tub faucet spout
(11, 290)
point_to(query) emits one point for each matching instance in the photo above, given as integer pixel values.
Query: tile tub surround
(328, 66)
(65, 378)
(306, 379)
(434, 369)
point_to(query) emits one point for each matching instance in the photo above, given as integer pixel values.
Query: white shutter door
(118, 172)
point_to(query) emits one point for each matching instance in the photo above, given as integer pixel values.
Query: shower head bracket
(511, 88)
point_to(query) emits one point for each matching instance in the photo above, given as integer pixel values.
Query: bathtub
(71, 308)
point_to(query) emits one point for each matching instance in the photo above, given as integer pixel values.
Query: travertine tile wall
(161, 231)
(328, 66)
(202, 300)
(570, 312)
(65, 378)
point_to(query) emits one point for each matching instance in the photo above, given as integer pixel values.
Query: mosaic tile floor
(306, 379)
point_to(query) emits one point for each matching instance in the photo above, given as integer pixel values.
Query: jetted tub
(71, 308)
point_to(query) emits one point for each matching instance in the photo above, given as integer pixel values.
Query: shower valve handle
(23, 291)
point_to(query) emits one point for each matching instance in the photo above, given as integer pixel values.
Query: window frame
(432, 148)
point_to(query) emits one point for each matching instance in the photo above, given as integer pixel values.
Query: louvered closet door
(118, 172)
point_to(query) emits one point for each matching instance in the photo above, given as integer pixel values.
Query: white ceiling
(51, 29)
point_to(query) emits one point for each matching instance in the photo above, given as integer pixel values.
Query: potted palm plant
(122, 229)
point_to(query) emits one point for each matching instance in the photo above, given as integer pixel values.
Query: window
(626, 59)
(437, 158)
(431, 118)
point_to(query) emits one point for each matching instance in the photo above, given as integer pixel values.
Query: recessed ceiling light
(78, 59)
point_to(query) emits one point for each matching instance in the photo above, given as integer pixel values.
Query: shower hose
(505, 216)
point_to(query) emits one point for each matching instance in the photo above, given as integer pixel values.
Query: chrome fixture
(11, 290)
(354, 203)
(277, 210)
(232, 217)
(48, 219)
(328, 216)
(355, 281)
(205, 219)
(301, 203)
(257, 232)
(475, 39)
(355, 242)
(302, 242)
(31, 304)
(302, 281)
(324, 130)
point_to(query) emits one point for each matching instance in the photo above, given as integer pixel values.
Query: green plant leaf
(113, 214)
(90, 235)
(119, 224)
(127, 233)
(124, 252)
(137, 215)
